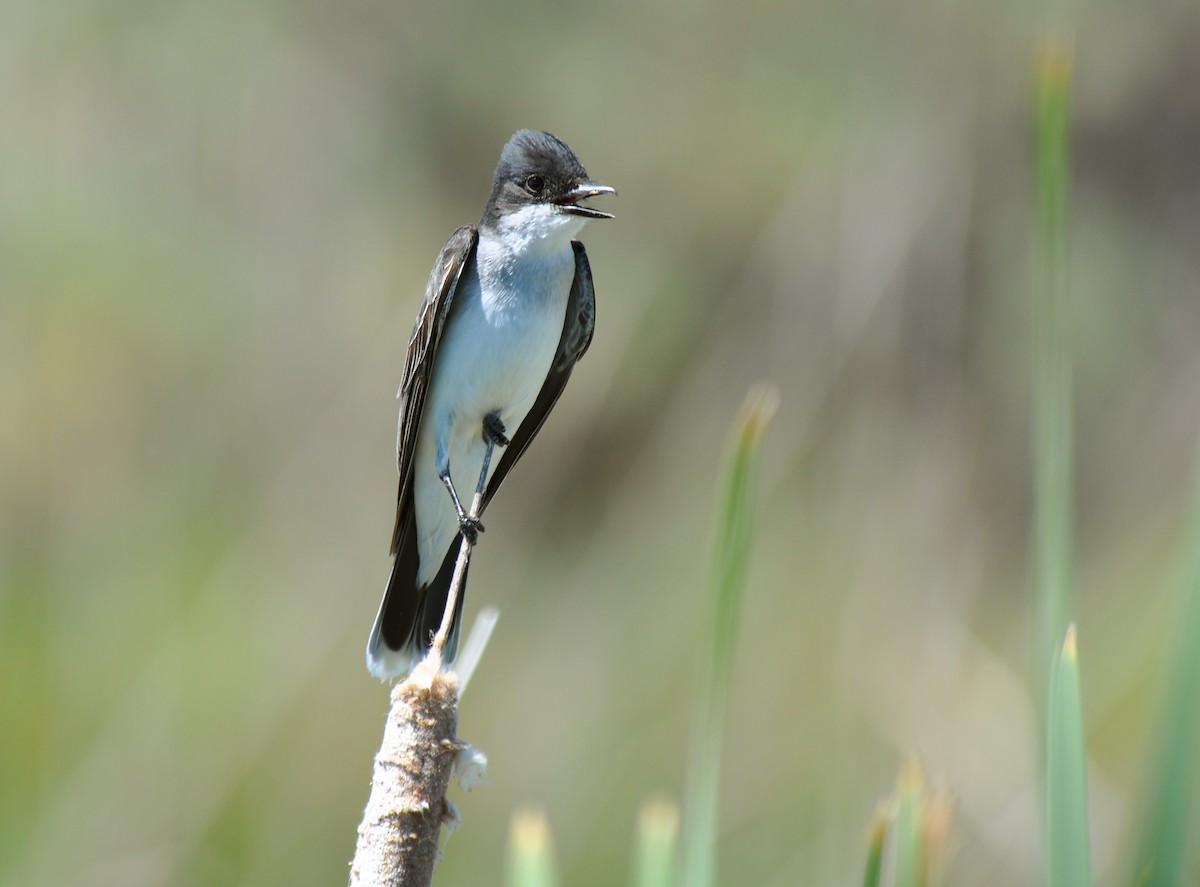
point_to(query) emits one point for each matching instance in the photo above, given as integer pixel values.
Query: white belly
(494, 356)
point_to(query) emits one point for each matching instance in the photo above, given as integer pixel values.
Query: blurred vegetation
(216, 221)
(732, 547)
(1068, 855)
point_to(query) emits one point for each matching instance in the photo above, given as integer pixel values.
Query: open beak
(569, 202)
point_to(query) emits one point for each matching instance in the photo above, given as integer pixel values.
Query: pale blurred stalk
(530, 851)
(1067, 846)
(655, 859)
(909, 851)
(919, 821)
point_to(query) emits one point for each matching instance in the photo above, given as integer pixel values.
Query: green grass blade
(530, 851)
(1053, 532)
(1068, 859)
(909, 849)
(1164, 842)
(657, 840)
(730, 558)
(880, 824)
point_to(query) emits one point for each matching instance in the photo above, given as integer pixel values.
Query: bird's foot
(493, 430)
(470, 527)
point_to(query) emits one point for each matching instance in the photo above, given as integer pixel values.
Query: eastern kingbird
(508, 310)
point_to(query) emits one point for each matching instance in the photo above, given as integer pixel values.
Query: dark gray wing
(419, 360)
(578, 324)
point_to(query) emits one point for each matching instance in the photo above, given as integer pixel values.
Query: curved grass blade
(731, 554)
(881, 822)
(1053, 529)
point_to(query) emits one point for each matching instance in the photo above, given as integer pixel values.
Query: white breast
(496, 349)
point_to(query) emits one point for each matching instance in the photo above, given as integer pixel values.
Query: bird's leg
(468, 521)
(493, 436)
(468, 524)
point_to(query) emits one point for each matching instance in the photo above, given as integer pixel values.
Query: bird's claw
(470, 527)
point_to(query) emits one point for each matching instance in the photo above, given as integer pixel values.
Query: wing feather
(419, 360)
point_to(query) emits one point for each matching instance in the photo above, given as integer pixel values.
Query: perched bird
(508, 310)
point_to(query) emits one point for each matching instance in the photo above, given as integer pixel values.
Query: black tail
(409, 616)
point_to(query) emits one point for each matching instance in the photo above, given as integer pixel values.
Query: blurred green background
(216, 221)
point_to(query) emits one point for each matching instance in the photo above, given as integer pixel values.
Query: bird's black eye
(534, 184)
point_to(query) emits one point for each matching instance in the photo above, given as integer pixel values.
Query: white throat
(538, 227)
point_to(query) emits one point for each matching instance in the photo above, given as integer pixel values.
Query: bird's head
(539, 185)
